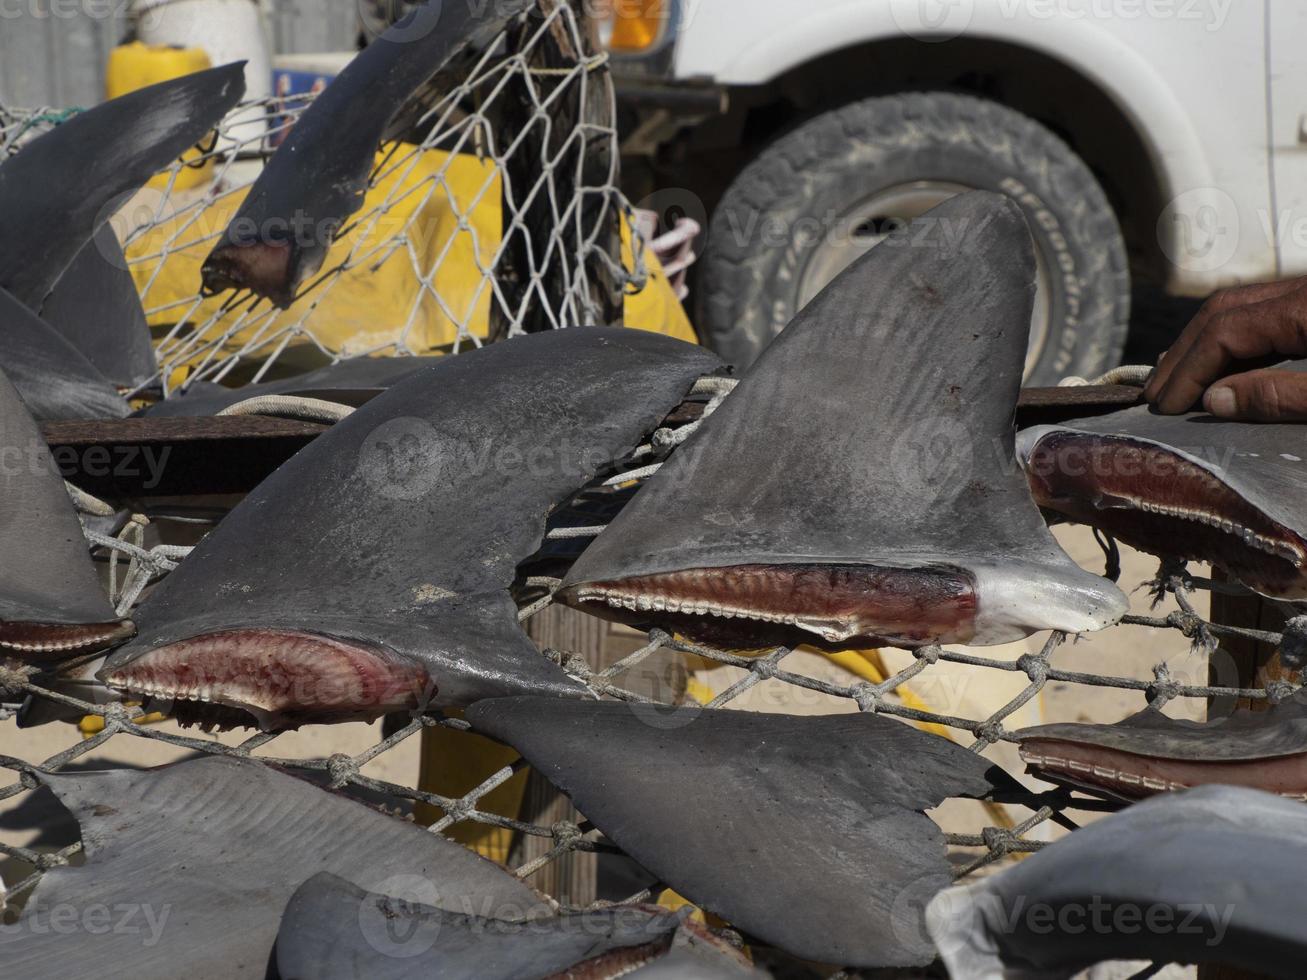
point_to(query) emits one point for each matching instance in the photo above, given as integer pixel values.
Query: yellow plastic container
(135, 66)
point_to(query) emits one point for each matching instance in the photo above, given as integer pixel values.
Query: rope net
(494, 210)
(498, 213)
(660, 669)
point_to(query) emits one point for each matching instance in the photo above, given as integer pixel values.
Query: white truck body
(1216, 90)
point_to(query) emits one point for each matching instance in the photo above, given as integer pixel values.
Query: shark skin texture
(56, 194)
(53, 377)
(333, 930)
(1190, 486)
(1209, 875)
(1149, 753)
(318, 176)
(52, 605)
(716, 789)
(371, 572)
(96, 308)
(208, 852)
(859, 487)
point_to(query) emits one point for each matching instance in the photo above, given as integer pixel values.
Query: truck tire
(828, 191)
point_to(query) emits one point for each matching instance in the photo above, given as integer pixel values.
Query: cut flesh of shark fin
(52, 605)
(1191, 486)
(1149, 753)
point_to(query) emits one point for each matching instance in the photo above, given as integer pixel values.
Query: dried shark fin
(1207, 876)
(334, 930)
(54, 379)
(318, 177)
(800, 831)
(352, 382)
(57, 193)
(218, 846)
(1149, 753)
(96, 308)
(52, 605)
(859, 486)
(376, 564)
(1189, 486)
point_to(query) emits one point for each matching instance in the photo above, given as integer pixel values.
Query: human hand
(1241, 324)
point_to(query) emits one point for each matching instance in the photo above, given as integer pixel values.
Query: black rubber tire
(749, 283)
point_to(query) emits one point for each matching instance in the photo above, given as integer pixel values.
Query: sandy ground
(34, 819)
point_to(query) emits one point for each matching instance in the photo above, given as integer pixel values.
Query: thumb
(1259, 396)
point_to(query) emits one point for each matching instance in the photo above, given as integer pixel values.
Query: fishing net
(659, 670)
(493, 211)
(20, 126)
(498, 213)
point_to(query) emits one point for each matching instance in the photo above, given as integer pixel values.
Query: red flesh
(49, 642)
(1108, 481)
(263, 267)
(851, 605)
(1135, 776)
(281, 677)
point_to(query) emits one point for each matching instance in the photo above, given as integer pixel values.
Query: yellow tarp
(429, 211)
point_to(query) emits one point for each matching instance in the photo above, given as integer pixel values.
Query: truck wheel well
(1042, 87)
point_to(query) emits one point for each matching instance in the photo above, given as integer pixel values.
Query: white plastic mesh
(495, 212)
(465, 169)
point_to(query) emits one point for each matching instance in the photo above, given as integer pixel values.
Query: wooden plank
(1246, 663)
(174, 456)
(1249, 664)
(232, 454)
(1048, 406)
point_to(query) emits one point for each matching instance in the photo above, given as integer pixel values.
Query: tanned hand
(1249, 323)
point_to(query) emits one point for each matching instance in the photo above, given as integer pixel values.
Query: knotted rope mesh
(493, 210)
(526, 217)
(999, 834)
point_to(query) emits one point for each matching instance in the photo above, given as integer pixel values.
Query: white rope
(291, 406)
(563, 533)
(87, 504)
(1134, 375)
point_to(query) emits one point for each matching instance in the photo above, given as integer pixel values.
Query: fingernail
(1221, 402)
